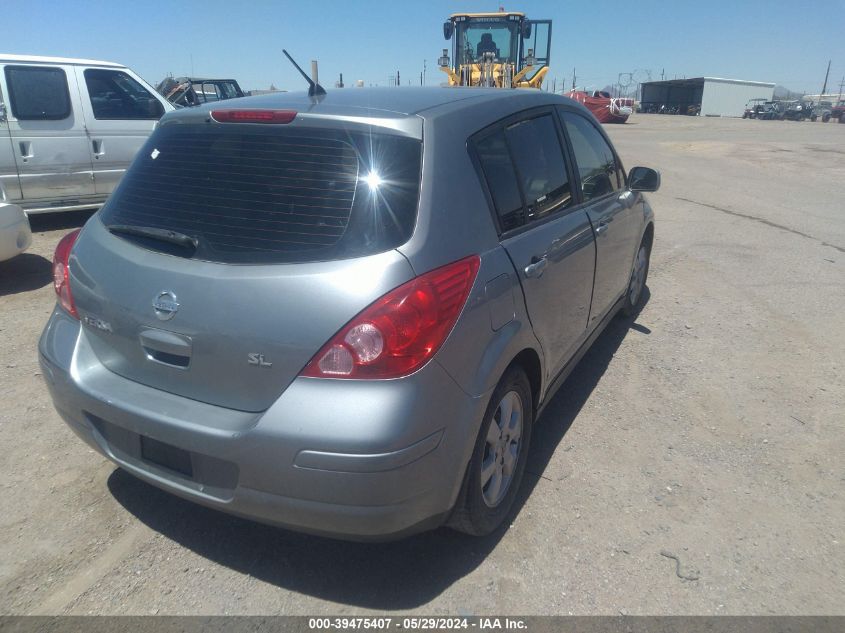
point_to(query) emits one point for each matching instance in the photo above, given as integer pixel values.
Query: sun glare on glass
(373, 180)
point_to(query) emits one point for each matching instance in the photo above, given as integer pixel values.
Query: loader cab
(479, 35)
(496, 50)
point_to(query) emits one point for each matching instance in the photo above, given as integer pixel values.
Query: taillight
(400, 332)
(61, 272)
(253, 116)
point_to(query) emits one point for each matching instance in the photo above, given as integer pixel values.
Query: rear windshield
(270, 194)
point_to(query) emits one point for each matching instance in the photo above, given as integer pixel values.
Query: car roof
(37, 59)
(198, 80)
(392, 102)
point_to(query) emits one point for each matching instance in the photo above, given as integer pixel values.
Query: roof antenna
(314, 88)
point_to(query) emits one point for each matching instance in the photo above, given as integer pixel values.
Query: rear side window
(272, 194)
(538, 157)
(501, 179)
(116, 95)
(38, 93)
(597, 165)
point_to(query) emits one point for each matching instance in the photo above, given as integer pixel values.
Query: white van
(69, 129)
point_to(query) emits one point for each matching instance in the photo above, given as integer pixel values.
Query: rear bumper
(361, 460)
(15, 234)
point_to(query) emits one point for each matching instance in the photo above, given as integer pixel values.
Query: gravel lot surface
(692, 464)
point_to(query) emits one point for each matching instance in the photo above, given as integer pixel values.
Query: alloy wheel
(501, 450)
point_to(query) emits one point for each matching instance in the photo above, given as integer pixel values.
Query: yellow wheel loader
(496, 50)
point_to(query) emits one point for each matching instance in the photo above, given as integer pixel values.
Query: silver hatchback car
(343, 314)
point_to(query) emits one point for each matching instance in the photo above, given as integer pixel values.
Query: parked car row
(794, 110)
(655, 107)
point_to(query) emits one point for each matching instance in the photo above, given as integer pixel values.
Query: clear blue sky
(781, 41)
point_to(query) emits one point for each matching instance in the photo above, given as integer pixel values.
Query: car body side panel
(558, 299)
(475, 354)
(615, 219)
(53, 160)
(10, 187)
(615, 228)
(113, 143)
(454, 222)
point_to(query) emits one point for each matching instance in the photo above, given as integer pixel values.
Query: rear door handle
(97, 146)
(536, 267)
(602, 227)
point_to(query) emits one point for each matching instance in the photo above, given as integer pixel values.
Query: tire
(842, 118)
(825, 118)
(639, 276)
(482, 506)
(745, 115)
(813, 118)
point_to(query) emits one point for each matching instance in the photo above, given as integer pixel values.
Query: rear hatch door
(284, 234)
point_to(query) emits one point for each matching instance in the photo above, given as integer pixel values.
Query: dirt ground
(692, 464)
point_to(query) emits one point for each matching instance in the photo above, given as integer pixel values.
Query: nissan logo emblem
(165, 305)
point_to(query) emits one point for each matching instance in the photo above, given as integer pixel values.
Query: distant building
(271, 90)
(711, 95)
(833, 97)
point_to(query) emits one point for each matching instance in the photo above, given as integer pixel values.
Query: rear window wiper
(162, 235)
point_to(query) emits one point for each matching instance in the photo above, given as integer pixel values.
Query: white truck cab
(69, 129)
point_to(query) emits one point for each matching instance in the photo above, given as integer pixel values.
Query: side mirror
(526, 29)
(448, 29)
(444, 59)
(644, 179)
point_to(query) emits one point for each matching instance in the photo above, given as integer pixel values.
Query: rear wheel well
(648, 236)
(530, 363)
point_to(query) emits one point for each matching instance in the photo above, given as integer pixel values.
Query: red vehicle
(605, 108)
(838, 112)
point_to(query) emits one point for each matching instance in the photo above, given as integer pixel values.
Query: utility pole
(841, 84)
(398, 83)
(573, 77)
(826, 75)
(662, 73)
(424, 69)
